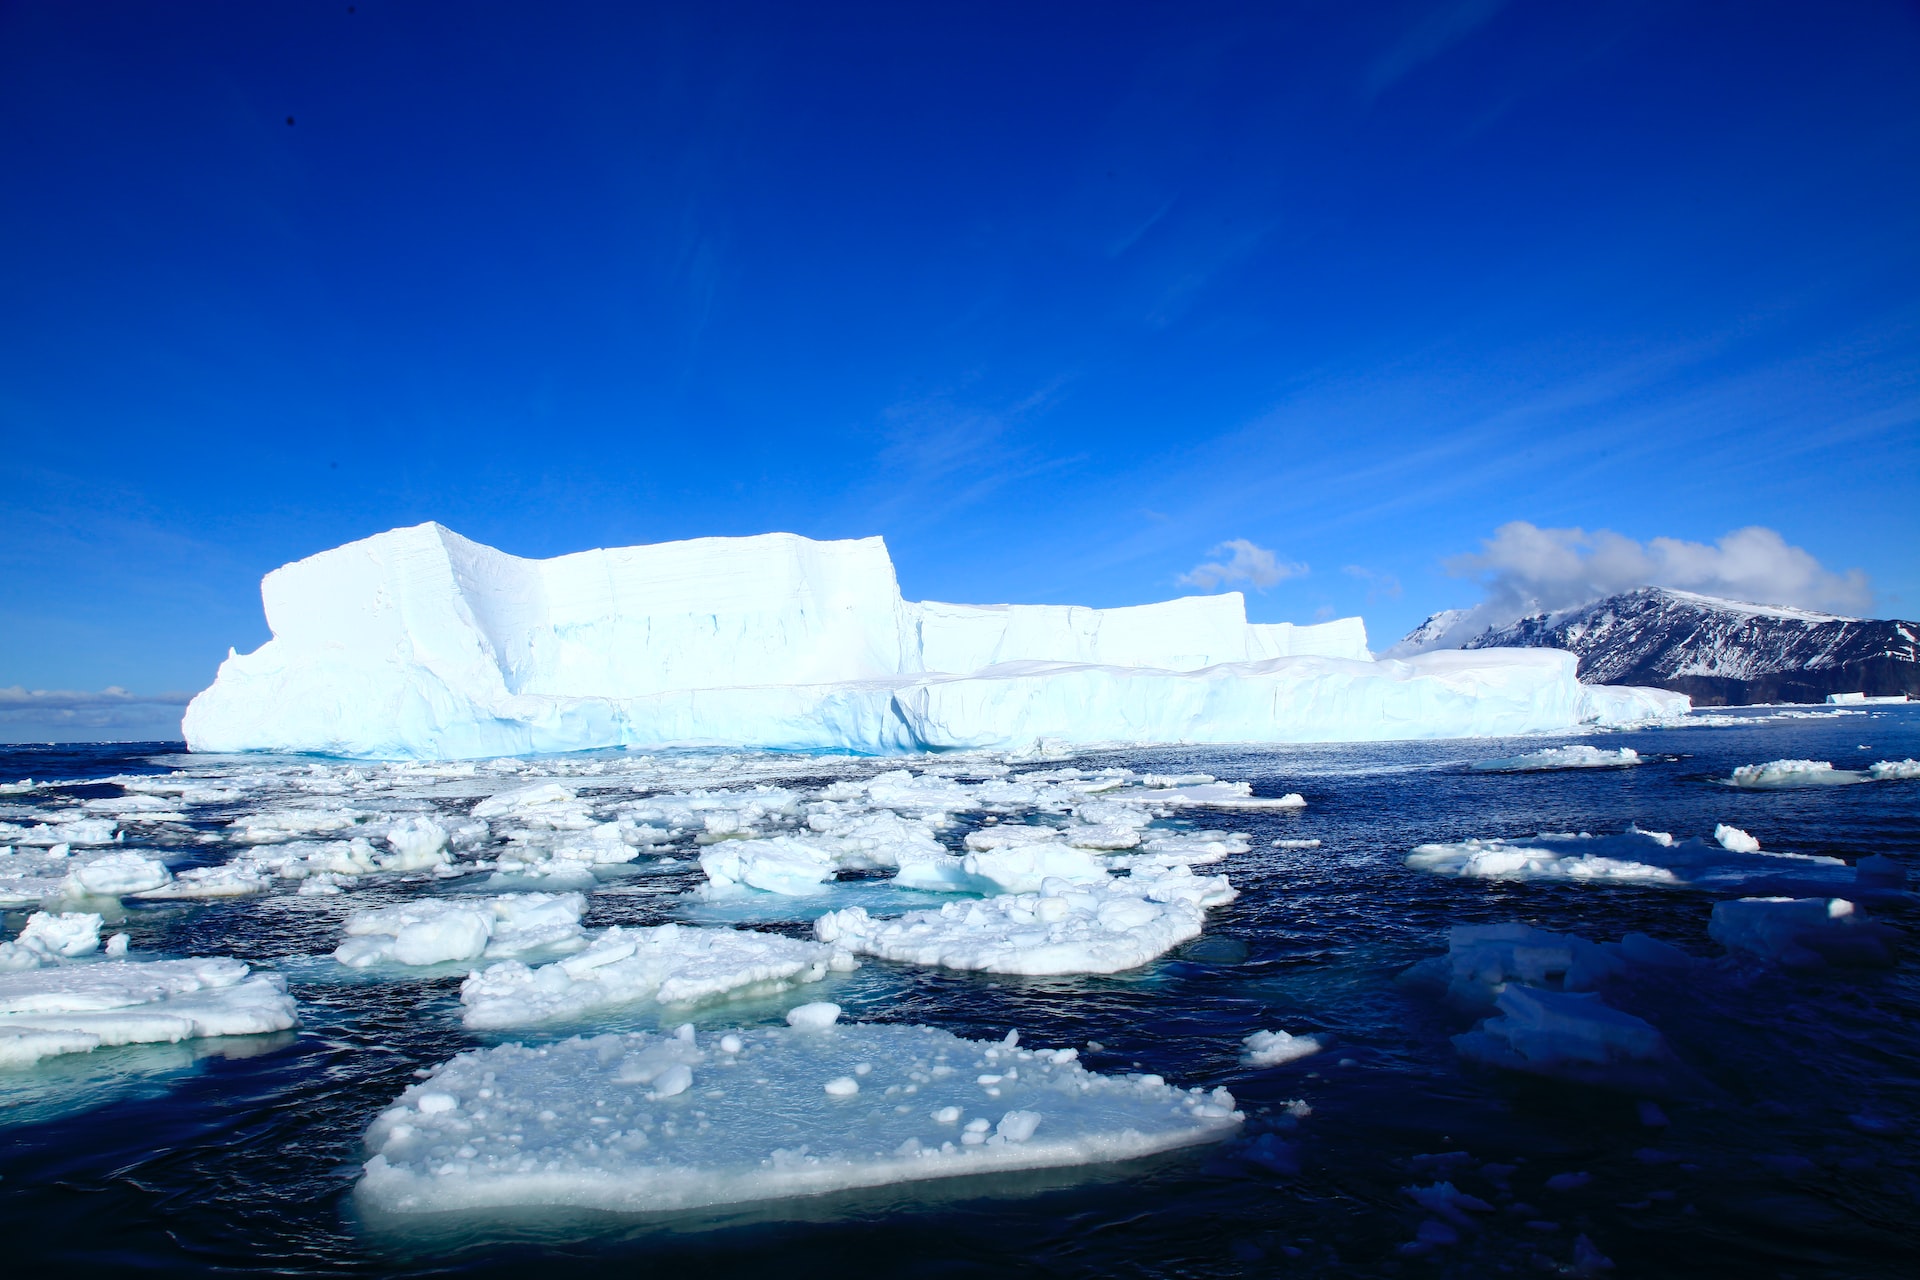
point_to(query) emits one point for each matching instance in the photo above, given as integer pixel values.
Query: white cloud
(1250, 564)
(1525, 569)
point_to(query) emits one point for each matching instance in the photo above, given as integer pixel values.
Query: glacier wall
(418, 643)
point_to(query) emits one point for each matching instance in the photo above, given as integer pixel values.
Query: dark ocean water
(1793, 1149)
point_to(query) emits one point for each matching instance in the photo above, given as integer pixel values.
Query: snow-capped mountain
(1720, 652)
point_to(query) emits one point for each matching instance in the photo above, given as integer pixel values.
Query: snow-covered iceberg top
(417, 643)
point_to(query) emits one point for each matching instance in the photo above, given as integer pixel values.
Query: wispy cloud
(1253, 565)
(1380, 586)
(1446, 25)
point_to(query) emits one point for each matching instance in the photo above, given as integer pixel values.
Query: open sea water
(1791, 1150)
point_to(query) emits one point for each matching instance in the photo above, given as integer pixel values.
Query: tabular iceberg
(418, 643)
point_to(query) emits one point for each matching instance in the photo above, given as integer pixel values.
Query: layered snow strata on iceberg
(1549, 759)
(73, 1008)
(671, 964)
(1103, 927)
(639, 1123)
(440, 930)
(417, 643)
(1802, 933)
(1632, 857)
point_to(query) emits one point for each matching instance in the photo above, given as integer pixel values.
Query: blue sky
(1058, 299)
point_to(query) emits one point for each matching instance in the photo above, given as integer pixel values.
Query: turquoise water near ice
(1792, 1150)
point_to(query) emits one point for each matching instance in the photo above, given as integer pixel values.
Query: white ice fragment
(813, 1017)
(50, 937)
(1547, 759)
(1272, 1048)
(428, 931)
(842, 1087)
(1894, 770)
(1633, 856)
(1734, 840)
(1779, 774)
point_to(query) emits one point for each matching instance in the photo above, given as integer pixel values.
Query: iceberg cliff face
(418, 643)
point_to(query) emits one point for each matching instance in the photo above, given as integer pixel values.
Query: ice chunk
(1894, 770)
(1801, 933)
(1023, 868)
(76, 1007)
(417, 643)
(1555, 758)
(1565, 1033)
(1778, 774)
(417, 843)
(815, 1016)
(441, 930)
(785, 864)
(1634, 856)
(586, 1123)
(670, 964)
(50, 937)
(1272, 1048)
(1064, 928)
(1734, 840)
(119, 874)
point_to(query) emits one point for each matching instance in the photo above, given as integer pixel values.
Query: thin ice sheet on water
(73, 1008)
(638, 1122)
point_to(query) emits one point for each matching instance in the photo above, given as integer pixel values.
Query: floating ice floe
(1802, 933)
(670, 964)
(1632, 857)
(641, 1123)
(77, 1007)
(1102, 927)
(1483, 959)
(1549, 759)
(1894, 770)
(1783, 774)
(441, 930)
(1272, 1048)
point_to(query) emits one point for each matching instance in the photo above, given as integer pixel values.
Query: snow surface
(1780, 774)
(418, 643)
(639, 1122)
(80, 1006)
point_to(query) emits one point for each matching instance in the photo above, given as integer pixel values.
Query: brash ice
(418, 643)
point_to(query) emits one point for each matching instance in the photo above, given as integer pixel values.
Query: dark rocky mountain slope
(1721, 652)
